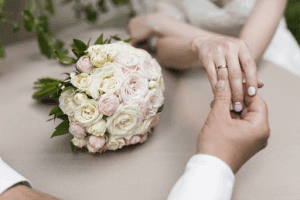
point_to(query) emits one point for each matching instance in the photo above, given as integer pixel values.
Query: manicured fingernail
(251, 90)
(220, 86)
(244, 80)
(238, 106)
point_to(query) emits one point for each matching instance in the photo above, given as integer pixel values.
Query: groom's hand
(231, 137)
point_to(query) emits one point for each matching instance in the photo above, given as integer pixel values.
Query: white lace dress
(228, 17)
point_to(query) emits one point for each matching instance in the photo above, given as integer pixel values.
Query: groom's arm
(15, 186)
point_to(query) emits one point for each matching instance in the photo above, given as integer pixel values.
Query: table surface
(147, 171)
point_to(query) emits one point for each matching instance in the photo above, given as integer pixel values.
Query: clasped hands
(237, 126)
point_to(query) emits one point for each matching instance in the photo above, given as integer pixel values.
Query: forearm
(261, 25)
(25, 193)
(176, 52)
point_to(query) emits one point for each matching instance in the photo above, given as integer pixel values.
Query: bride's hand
(216, 50)
(142, 27)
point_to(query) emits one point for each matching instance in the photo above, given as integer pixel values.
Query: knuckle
(242, 43)
(249, 62)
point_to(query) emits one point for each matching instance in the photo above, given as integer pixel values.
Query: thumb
(222, 93)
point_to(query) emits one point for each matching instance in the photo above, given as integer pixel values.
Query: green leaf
(15, 27)
(49, 120)
(42, 24)
(65, 59)
(73, 147)
(2, 52)
(116, 38)
(28, 20)
(49, 7)
(45, 92)
(128, 40)
(88, 44)
(160, 109)
(67, 88)
(63, 126)
(120, 2)
(80, 45)
(44, 44)
(1, 5)
(106, 134)
(56, 111)
(105, 117)
(91, 15)
(60, 132)
(105, 41)
(99, 40)
(63, 117)
(32, 6)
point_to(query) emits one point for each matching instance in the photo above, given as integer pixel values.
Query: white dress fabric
(228, 17)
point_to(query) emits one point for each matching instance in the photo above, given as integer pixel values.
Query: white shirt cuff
(9, 177)
(206, 177)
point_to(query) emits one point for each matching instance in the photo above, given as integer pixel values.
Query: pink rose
(134, 88)
(84, 65)
(77, 130)
(108, 104)
(150, 68)
(155, 120)
(127, 60)
(134, 139)
(144, 137)
(96, 142)
(150, 104)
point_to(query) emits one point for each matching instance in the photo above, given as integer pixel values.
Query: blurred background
(96, 13)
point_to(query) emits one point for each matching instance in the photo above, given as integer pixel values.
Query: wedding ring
(222, 66)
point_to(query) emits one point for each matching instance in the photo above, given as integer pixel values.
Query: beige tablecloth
(147, 171)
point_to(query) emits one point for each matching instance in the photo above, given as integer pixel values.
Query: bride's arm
(261, 25)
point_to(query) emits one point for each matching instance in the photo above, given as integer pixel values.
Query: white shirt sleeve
(206, 177)
(9, 177)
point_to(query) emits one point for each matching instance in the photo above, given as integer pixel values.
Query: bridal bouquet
(113, 98)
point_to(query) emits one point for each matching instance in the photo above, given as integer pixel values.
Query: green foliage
(47, 88)
(28, 20)
(49, 7)
(160, 109)
(128, 40)
(72, 147)
(292, 16)
(65, 59)
(2, 53)
(61, 129)
(99, 40)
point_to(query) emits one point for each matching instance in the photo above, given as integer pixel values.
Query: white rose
(80, 98)
(79, 142)
(81, 81)
(125, 121)
(91, 149)
(97, 129)
(67, 103)
(158, 84)
(127, 61)
(144, 126)
(134, 88)
(107, 79)
(87, 113)
(115, 143)
(99, 56)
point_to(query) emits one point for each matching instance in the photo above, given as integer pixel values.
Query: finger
(222, 95)
(212, 105)
(211, 72)
(249, 67)
(236, 78)
(260, 83)
(257, 110)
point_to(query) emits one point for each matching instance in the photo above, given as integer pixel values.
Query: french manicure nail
(238, 106)
(251, 90)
